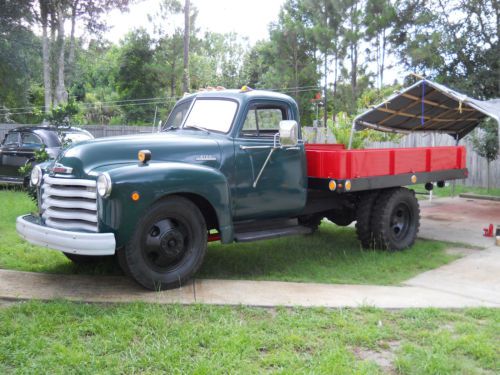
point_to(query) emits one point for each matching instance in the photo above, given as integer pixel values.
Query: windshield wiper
(170, 128)
(196, 127)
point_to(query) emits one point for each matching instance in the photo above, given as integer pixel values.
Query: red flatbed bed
(381, 168)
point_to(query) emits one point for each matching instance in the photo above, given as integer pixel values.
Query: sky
(249, 18)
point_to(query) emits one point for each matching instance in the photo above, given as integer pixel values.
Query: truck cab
(235, 169)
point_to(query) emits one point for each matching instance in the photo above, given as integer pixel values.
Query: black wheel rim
(400, 221)
(165, 244)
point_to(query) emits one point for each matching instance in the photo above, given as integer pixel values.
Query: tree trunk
(47, 81)
(325, 106)
(71, 52)
(382, 65)
(172, 79)
(354, 68)
(488, 162)
(187, 25)
(61, 94)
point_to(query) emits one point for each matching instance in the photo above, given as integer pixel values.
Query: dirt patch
(384, 357)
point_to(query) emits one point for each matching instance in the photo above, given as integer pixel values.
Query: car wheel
(364, 211)
(395, 219)
(168, 245)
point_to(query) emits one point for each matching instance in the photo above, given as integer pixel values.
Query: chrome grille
(69, 204)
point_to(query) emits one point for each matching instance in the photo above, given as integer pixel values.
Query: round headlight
(104, 185)
(36, 176)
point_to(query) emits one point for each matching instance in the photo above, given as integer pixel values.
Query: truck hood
(104, 153)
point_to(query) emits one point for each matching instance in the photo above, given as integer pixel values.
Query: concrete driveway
(473, 280)
(459, 220)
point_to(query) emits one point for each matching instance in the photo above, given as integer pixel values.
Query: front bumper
(81, 243)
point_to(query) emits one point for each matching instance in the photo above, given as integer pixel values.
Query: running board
(271, 233)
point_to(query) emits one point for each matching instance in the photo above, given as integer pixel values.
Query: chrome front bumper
(81, 243)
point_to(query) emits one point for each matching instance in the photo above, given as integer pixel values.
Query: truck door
(281, 189)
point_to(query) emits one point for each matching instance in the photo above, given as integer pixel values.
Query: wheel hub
(400, 220)
(172, 243)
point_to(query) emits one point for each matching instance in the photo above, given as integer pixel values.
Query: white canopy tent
(428, 106)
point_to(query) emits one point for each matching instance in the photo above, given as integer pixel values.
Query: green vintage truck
(233, 167)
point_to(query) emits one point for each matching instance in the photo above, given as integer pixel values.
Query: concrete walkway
(26, 285)
(470, 281)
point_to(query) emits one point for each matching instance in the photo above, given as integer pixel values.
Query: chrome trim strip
(68, 181)
(73, 203)
(69, 215)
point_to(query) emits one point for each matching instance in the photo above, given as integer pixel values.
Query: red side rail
(335, 162)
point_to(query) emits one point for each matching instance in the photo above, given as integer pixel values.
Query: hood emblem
(206, 157)
(59, 168)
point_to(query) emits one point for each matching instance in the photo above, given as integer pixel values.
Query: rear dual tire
(388, 220)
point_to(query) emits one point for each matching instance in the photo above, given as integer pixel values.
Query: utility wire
(145, 101)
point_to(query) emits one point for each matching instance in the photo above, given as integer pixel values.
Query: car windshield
(178, 114)
(212, 114)
(76, 137)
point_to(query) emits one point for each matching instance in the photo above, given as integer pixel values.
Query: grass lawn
(447, 191)
(66, 338)
(332, 255)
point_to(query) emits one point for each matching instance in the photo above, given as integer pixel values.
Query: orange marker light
(144, 156)
(332, 185)
(135, 196)
(348, 185)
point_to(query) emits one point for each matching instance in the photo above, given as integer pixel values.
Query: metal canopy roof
(427, 106)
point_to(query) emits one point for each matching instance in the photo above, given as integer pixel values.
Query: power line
(97, 103)
(145, 101)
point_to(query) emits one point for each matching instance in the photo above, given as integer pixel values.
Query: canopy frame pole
(351, 136)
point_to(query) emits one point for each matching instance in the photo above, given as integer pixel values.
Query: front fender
(119, 213)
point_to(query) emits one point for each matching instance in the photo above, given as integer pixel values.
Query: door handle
(255, 147)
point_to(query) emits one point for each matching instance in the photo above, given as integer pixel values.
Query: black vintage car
(19, 146)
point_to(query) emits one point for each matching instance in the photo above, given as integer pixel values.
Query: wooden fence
(476, 164)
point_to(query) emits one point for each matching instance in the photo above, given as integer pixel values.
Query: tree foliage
(342, 49)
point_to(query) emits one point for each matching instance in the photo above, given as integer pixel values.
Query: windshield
(76, 137)
(178, 114)
(212, 114)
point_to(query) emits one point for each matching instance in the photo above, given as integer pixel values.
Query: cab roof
(244, 96)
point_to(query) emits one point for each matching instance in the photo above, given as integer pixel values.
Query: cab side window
(11, 139)
(263, 121)
(30, 139)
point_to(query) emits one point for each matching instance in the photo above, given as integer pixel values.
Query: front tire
(395, 219)
(168, 245)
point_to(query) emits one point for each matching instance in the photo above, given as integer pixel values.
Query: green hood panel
(103, 153)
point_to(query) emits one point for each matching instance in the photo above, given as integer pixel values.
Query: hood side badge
(206, 158)
(61, 169)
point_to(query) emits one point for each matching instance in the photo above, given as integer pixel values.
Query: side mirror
(289, 133)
